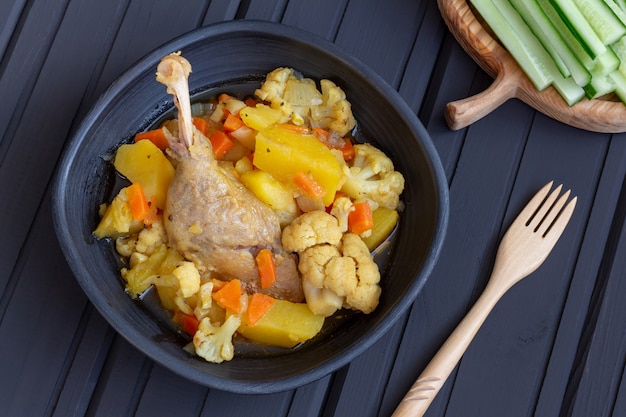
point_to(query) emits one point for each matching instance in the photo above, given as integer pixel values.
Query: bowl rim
(325, 46)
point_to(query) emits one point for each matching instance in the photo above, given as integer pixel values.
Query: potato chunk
(283, 153)
(146, 164)
(285, 325)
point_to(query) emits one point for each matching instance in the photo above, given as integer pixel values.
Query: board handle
(462, 113)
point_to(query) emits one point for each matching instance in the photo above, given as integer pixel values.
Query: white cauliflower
(215, 343)
(188, 278)
(143, 243)
(336, 112)
(335, 272)
(342, 206)
(299, 99)
(151, 237)
(310, 229)
(372, 177)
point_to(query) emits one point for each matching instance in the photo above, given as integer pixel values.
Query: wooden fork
(523, 248)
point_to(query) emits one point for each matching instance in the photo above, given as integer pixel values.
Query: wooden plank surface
(554, 346)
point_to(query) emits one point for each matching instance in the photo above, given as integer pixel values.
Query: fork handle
(427, 386)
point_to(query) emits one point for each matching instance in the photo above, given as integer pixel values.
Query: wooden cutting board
(598, 115)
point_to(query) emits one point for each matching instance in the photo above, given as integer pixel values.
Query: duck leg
(209, 216)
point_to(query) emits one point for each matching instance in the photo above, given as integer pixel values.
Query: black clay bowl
(223, 56)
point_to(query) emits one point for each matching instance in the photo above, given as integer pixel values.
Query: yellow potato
(283, 152)
(384, 221)
(260, 117)
(117, 219)
(285, 325)
(267, 189)
(146, 164)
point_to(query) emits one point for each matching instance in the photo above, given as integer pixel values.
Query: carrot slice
(307, 183)
(232, 123)
(221, 143)
(229, 296)
(137, 201)
(187, 322)
(224, 97)
(156, 136)
(360, 219)
(347, 150)
(267, 268)
(251, 101)
(258, 306)
(202, 125)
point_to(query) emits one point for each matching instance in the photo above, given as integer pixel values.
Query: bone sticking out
(173, 71)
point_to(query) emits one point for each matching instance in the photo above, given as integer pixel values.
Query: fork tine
(547, 221)
(526, 215)
(535, 221)
(561, 221)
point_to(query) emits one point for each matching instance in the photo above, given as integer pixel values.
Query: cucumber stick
(528, 61)
(568, 89)
(579, 26)
(617, 10)
(576, 46)
(602, 20)
(551, 39)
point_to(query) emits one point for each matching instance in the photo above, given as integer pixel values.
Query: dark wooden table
(554, 346)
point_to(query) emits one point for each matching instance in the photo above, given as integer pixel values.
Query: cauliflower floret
(313, 263)
(364, 293)
(372, 177)
(336, 112)
(300, 100)
(310, 229)
(188, 278)
(345, 275)
(342, 206)
(215, 343)
(150, 238)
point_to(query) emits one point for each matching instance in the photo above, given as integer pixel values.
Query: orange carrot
(347, 150)
(267, 268)
(360, 219)
(137, 201)
(258, 306)
(221, 143)
(308, 184)
(202, 125)
(187, 322)
(251, 101)
(224, 97)
(229, 296)
(156, 136)
(232, 123)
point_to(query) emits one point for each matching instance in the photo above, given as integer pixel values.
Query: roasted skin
(209, 216)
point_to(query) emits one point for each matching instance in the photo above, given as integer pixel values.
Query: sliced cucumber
(574, 44)
(530, 63)
(621, 4)
(618, 11)
(605, 63)
(579, 26)
(599, 85)
(551, 39)
(602, 20)
(619, 79)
